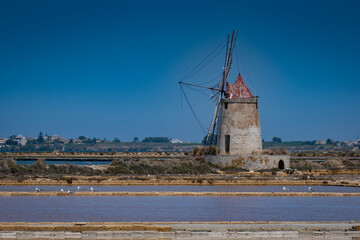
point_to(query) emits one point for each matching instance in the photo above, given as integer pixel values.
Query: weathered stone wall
(250, 162)
(240, 120)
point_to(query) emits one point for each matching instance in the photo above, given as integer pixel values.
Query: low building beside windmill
(239, 134)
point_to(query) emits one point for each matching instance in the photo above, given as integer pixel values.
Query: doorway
(281, 164)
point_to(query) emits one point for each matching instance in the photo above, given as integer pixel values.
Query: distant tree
(40, 138)
(71, 140)
(157, 139)
(89, 140)
(276, 140)
(308, 142)
(30, 142)
(82, 138)
(116, 140)
(329, 141)
(12, 136)
(136, 139)
(11, 142)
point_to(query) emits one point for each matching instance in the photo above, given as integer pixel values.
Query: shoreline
(171, 181)
(180, 230)
(178, 194)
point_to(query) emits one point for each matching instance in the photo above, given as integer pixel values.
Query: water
(30, 162)
(182, 188)
(168, 209)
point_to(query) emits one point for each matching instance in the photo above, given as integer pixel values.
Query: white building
(20, 139)
(174, 140)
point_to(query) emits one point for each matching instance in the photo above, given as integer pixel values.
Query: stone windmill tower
(239, 124)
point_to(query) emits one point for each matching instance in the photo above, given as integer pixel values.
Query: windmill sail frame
(211, 134)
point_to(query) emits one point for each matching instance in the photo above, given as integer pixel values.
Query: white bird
(285, 189)
(37, 189)
(276, 178)
(80, 188)
(92, 189)
(70, 192)
(149, 176)
(310, 189)
(61, 190)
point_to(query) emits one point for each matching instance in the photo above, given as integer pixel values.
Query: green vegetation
(141, 166)
(288, 144)
(40, 138)
(276, 140)
(10, 166)
(156, 139)
(11, 142)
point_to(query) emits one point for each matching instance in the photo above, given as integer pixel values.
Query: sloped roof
(238, 89)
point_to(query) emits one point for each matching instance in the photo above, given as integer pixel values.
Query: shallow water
(182, 188)
(151, 209)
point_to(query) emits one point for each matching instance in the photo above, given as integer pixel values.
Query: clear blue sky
(111, 68)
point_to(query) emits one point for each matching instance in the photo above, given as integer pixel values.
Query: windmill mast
(210, 137)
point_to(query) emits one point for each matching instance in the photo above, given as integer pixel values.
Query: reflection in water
(182, 188)
(118, 209)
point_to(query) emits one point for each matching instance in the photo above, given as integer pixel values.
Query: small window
(227, 143)
(226, 105)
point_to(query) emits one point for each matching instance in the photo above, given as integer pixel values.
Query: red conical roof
(238, 89)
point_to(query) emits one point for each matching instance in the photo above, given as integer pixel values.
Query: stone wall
(239, 119)
(251, 162)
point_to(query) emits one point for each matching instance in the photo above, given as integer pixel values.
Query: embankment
(169, 194)
(200, 180)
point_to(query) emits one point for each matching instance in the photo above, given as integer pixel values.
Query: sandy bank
(176, 181)
(180, 230)
(194, 194)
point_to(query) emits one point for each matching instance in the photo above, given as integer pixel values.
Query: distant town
(45, 142)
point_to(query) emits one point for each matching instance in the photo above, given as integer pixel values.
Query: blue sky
(111, 68)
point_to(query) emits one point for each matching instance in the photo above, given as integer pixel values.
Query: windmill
(211, 135)
(235, 125)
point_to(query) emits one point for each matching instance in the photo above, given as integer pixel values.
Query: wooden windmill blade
(211, 136)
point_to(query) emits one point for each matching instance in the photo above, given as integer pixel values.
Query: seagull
(276, 178)
(80, 188)
(310, 189)
(285, 189)
(149, 176)
(61, 190)
(70, 192)
(92, 189)
(37, 189)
